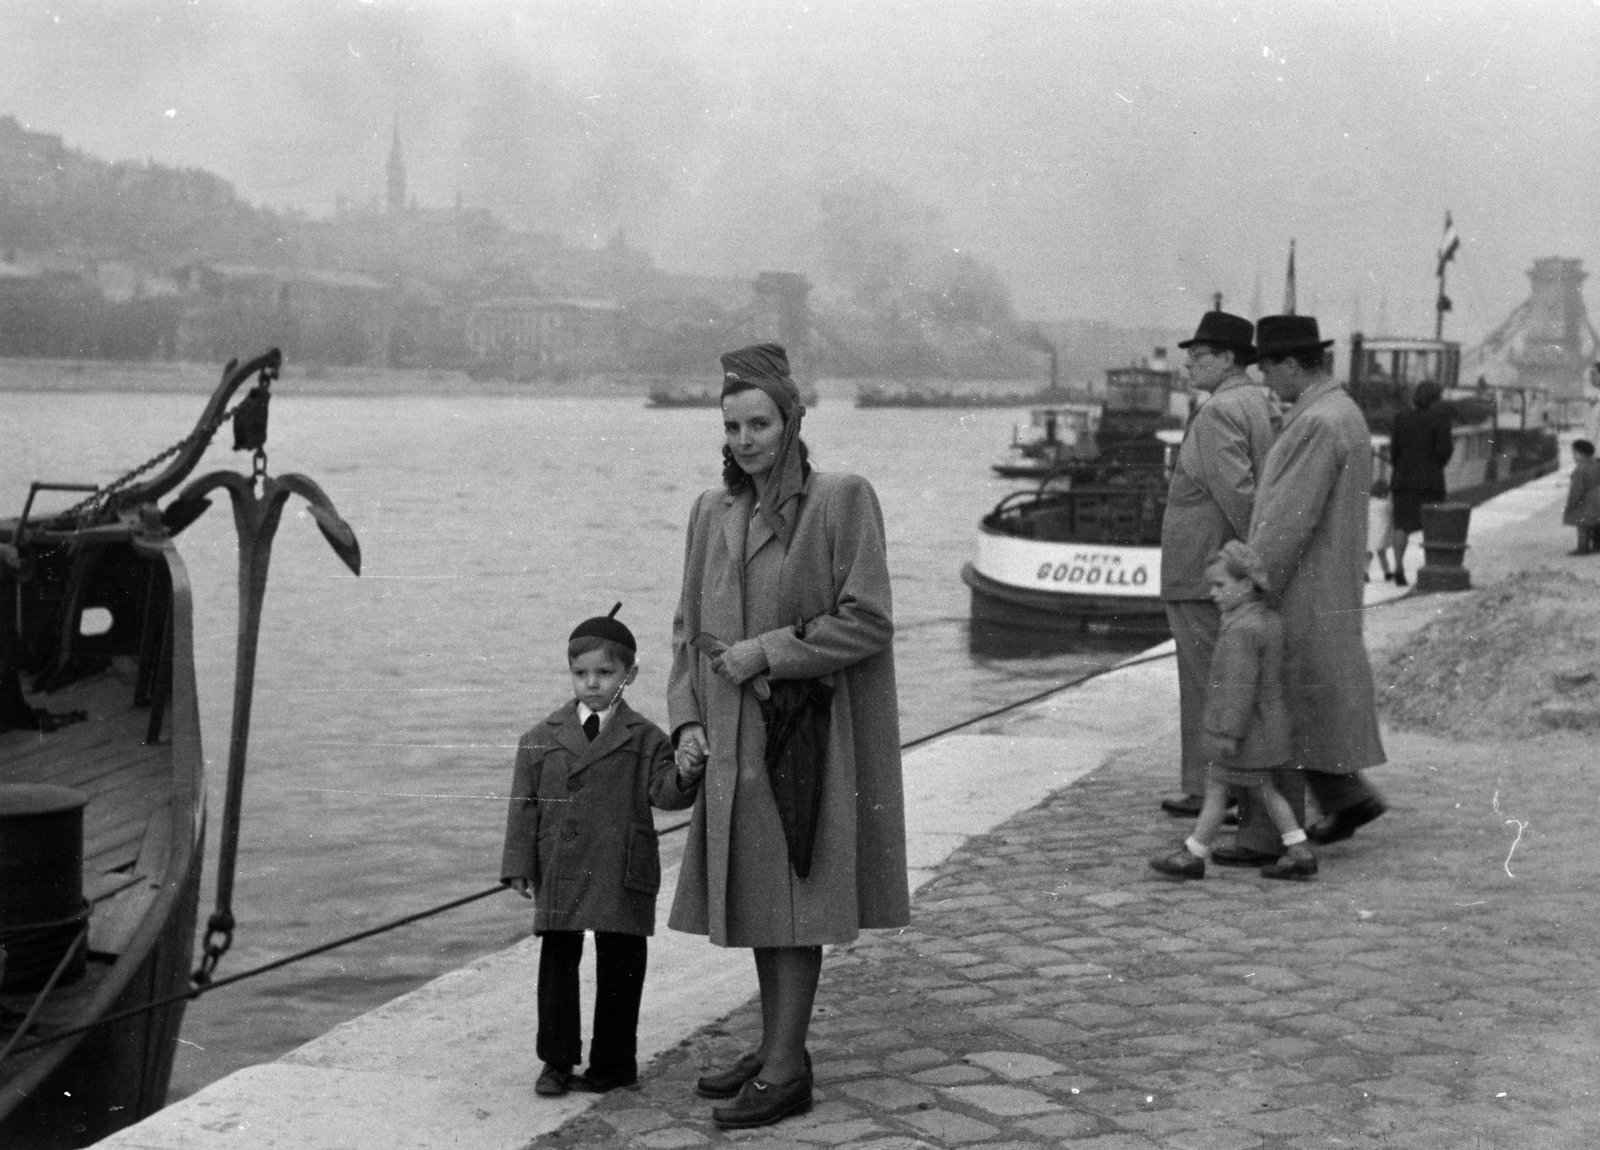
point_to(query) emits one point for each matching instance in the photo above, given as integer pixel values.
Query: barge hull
(998, 604)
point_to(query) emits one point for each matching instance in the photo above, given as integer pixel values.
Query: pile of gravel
(1515, 659)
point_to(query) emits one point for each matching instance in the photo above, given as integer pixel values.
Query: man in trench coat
(1309, 527)
(1209, 498)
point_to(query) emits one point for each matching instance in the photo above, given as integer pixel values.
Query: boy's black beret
(605, 627)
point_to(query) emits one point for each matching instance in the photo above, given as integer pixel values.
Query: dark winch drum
(42, 908)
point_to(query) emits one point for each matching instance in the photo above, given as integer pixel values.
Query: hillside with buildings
(102, 260)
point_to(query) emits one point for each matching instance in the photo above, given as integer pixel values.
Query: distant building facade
(314, 316)
(537, 337)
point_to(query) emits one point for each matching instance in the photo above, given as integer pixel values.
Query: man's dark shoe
(555, 1081)
(1340, 825)
(763, 1103)
(1240, 856)
(593, 1081)
(1185, 808)
(1179, 864)
(1290, 867)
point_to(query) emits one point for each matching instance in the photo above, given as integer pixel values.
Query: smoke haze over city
(1117, 161)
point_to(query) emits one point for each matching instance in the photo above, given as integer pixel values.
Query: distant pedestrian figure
(1309, 527)
(1246, 724)
(1583, 497)
(1420, 445)
(1380, 529)
(581, 843)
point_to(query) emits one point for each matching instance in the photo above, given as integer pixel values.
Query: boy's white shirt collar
(605, 716)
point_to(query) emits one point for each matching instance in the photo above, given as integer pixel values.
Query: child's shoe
(1180, 864)
(555, 1081)
(1290, 867)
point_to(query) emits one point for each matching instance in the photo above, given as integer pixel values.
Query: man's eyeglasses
(1199, 353)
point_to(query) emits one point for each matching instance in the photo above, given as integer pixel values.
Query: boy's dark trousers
(619, 984)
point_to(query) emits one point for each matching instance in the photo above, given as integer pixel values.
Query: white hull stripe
(1070, 568)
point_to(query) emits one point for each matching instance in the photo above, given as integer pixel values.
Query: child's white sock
(1198, 848)
(1293, 838)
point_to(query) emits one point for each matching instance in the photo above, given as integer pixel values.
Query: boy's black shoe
(593, 1081)
(1179, 864)
(762, 1103)
(1289, 867)
(555, 1081)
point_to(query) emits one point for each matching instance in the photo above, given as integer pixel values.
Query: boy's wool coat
(579, 823)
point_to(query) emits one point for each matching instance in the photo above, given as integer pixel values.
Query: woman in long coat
(785, 566)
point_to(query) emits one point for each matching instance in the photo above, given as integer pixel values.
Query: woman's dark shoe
(554, 1082)
(1340, 825)
(763, 1103)
(1290, 867)
(1179, 864)
(726, 1083)
(1399, 578)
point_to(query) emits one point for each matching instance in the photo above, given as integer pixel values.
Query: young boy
(1583, 497)
(1246, 724)
(581, 843)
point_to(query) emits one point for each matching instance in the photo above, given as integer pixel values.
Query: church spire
(397, 172)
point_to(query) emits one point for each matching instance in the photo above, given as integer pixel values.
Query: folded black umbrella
(797, 717)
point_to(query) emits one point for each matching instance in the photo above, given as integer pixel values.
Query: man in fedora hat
(1209, 499)
(1309, 528)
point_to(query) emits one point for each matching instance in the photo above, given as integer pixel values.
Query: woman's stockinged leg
(788, 976)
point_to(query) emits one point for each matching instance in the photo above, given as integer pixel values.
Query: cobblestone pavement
(1427, 990)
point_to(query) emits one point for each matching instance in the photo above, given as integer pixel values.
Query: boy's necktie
(591, 726)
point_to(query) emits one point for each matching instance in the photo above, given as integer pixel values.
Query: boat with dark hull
(102, 787)
(1082, 549)
(882, 395)
(686, 395)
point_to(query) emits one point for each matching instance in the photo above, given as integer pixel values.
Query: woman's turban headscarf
(766, 366)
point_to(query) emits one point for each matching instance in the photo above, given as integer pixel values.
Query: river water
(388, 707)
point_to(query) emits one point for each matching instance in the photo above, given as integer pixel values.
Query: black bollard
(1444, 544)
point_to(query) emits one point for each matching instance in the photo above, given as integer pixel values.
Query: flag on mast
(1447, 245)
(1288, 284)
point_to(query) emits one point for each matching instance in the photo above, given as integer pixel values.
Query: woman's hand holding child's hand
(523, 886)
(692, 753)
(1218, 748)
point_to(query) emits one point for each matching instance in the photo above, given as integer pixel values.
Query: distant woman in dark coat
(785, 565)
(1419, 447)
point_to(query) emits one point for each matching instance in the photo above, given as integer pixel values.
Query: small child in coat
(1583, 497)
(1245, 729)
(580, 842)
(1380, 528)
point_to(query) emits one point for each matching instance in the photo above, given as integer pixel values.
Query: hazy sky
(1120, 160)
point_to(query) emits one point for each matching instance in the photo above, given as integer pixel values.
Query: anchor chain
(252, 405)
